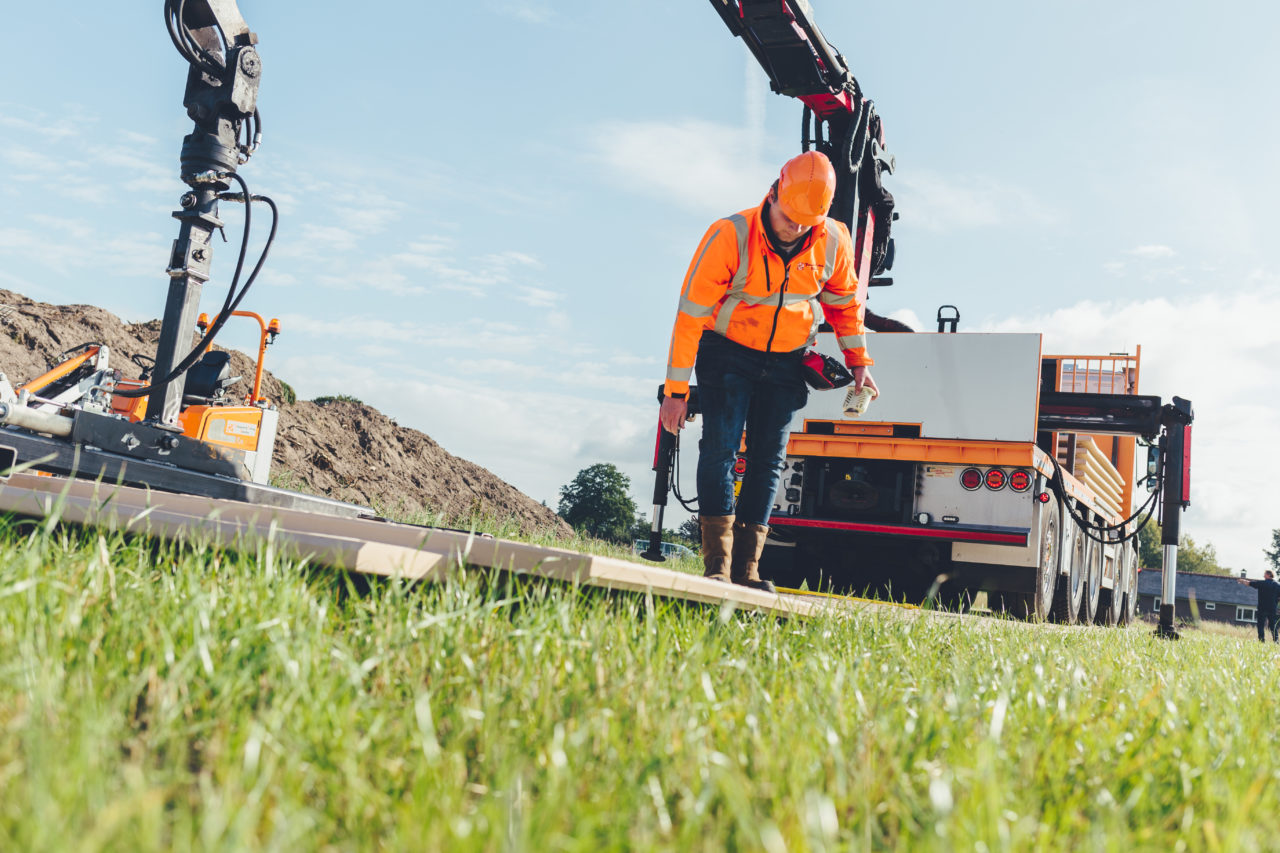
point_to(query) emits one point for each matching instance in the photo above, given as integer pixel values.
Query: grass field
(164, 697)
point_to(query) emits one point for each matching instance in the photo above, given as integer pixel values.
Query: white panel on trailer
(964, 385)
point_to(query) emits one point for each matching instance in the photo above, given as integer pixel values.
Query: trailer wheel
(1039, 603)
(1069, 596)
(1111, 601)
(1129, 605)
(1090, 603)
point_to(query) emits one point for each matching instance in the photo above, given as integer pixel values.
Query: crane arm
(838, 121)
(221, 97)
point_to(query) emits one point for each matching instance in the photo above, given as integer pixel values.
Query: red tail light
(995, 479)
(1020, 480)
(971, 478)
(740, 465)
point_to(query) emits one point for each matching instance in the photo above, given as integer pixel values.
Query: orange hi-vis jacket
(741, 289)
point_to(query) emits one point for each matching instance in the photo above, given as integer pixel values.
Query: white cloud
(328, 237)
(52, 129)
(906, 315)
(701, 165)
(1149, 263)
(946, 203)
(537, 297)
(1152, 252)
(531, 13)
(65, 246)
(531, 436)
(365, 211)
(494, 339)
(1217, 350)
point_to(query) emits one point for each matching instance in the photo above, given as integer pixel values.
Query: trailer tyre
(1091, 601)
(1041, 601)
(1111, 601)
(1068, 599)
(1129, 604)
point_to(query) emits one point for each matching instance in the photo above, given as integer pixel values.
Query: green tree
(598, 503)
(1273, 554)
(640, 527)
(1202, 559)
(1199, 558)
(1149, 554)
(691, 531)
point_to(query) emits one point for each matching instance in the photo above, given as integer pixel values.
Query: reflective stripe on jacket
(740, 288)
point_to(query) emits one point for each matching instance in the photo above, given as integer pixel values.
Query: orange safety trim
(1115, 373)
(847, 428)
(237, 427)
(133, 408)
(935, 450)
(67, 367)
(265, 333)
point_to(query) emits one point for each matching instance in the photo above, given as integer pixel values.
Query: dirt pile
(336, 447)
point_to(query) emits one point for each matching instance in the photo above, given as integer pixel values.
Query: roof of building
(1219, 588)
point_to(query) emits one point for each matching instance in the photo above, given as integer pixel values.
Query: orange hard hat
(805, 188)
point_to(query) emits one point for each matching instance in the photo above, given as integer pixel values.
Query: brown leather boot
(748, 545)
(717, 545)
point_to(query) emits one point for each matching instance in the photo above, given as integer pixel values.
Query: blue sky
(488, 207)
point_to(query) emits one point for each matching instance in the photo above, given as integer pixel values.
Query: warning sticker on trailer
(939, 471)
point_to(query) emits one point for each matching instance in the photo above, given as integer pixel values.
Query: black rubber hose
(233, 298)
(1089, 527)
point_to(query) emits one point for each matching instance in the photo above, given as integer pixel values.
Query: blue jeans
(744, 389)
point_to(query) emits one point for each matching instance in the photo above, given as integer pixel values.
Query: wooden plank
(369, 546)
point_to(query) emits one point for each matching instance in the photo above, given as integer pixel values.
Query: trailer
(985, 466)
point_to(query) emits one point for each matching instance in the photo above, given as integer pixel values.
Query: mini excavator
(177, 429)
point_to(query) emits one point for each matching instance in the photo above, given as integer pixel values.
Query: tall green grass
(155, 696)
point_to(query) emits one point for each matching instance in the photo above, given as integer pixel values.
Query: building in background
(1218, 598)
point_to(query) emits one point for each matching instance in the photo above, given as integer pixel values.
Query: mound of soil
(336, 447)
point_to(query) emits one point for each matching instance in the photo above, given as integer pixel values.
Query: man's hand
(674, 412)
(861, 377)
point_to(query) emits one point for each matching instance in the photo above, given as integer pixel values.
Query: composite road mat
(371, 546)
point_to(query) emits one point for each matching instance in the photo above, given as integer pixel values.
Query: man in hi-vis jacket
(758, 287)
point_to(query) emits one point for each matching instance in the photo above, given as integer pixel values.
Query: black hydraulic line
(78, 348)
(690, 505)
(849, 150)
(1088, 527)
(195, 53)
(233, 299)
(666, 468)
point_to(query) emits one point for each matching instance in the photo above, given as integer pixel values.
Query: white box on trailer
(976, 386)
